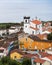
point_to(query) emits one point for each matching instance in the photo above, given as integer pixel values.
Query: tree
(8, 61)
(49, 36)
(7, 27)
(5, 60)
(22, 23)
(26, 61)
(12, 62)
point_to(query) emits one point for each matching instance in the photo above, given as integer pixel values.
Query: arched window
(26, 21)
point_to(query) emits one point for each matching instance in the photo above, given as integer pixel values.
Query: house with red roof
(39, 61)
(32, 27)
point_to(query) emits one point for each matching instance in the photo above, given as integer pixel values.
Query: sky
(15, 10)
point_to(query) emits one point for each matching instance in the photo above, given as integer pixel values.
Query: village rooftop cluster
(27, 41)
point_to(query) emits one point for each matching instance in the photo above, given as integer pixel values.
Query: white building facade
(32, 27)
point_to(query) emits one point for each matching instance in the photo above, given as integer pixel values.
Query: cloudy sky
(14, 10)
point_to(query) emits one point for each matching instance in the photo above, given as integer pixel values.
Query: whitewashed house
(3, 52)
(14, 29)
(2, 32)
(32, 27)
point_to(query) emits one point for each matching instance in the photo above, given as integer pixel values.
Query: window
(35, 49)
(36, 26)
(43, 50)
(39, 50)
(26, 26)
(39, 26)
(1, 51)
(26, 39)
(15, 57)
(26, 21)
(40, 63)
(32, 32)
(22, 46)
(35, 63)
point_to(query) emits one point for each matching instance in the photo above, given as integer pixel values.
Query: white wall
(2, 31)
(31, 30)
(46, 63)
(13, 31)
(32, 24)
(37, 63)
(27, 29)
(49, 51)
(40, 28)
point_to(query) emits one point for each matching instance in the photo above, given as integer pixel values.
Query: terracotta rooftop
(39, 60)
(49, 57)
(42, 36)
(28, 55)
(8, 41)
(36, 22)
(34, 37)
(37, 38)
(25, 54)
(44, 54)
(16, 50)
(50, 30)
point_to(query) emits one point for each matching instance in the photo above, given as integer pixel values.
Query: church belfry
(26, 19)
(26, 24)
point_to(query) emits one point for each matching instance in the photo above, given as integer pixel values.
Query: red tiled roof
(47, 24)
(36, 22)
(39, 60)
(44, 54)
(34, 28)
(42, 36)
(49, 57)
(16, 50)
(28, 55)
(50, 30)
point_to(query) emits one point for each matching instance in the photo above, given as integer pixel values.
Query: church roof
(36, 22)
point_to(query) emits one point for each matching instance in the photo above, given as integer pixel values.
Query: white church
(32, 27)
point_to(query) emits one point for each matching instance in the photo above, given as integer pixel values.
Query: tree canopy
(49, 36)
(26, 61)
(8, 61)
